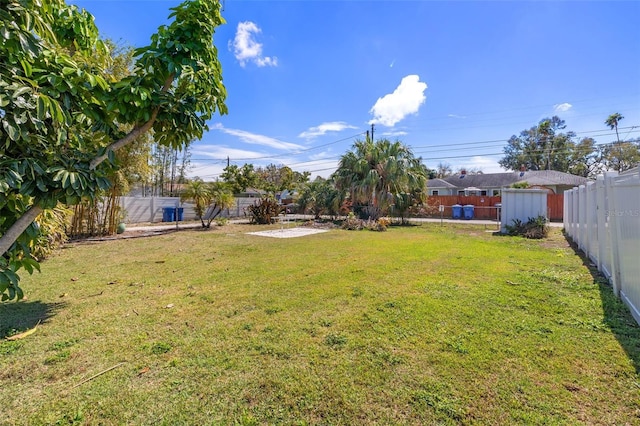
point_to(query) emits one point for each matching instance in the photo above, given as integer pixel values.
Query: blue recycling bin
(180, 213)
(168, 214)
(456, 210)
(468, 211)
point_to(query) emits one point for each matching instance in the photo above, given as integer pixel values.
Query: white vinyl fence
(150, 209)
(603, 219)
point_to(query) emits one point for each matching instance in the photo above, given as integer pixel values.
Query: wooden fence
(485, 207)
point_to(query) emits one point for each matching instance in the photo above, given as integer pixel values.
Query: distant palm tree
(376, 173)
(199, 193)
(612, 121)
(221, 198)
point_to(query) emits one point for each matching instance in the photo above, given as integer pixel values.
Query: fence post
(582, 219)
(592, 234)
(613, 230)
(574, 219)
(566, 212)
(601, 222)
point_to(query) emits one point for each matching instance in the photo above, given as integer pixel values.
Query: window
(435, 192)
(496, 192)
(460, 192)
(483, 193)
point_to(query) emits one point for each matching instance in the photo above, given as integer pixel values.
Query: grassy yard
(417, 325)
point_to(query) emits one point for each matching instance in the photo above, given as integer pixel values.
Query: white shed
(522, 204)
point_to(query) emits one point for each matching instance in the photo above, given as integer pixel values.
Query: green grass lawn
(417, 325)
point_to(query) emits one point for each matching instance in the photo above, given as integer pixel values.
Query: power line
(459, 146)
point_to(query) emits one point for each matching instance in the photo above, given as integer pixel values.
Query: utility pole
(372, 125)
(227, 161)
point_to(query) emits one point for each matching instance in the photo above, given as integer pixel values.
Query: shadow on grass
(21, 316)
(616, 315)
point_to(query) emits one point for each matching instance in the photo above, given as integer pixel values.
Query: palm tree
(321, 198)
(612, 121)
(375, 174)
(200, 194)
(221, 198)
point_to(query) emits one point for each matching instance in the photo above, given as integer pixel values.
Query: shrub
(264, 211)
(52, 224)
(535, 228)
(376, 225)
(520, 185)
(352, 223)
(222, 221)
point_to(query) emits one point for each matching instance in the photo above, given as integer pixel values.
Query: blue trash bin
(180, 213)
(168, 214)
(468, 211)
(456, 211)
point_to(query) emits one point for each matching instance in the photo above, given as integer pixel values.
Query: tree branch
(14, 232)
(23, 222)
(137, 131)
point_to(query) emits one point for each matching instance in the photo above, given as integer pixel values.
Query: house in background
(491, 184)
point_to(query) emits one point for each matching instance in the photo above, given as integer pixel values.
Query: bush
(221, 221)
(52, 224)
(263, 212)
(535, 228)
(352, 223)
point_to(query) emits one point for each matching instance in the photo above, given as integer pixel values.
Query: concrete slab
(288, 232)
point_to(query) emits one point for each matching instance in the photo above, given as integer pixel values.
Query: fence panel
(555, 206)
(603, 218)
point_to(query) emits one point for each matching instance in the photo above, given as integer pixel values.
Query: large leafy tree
(542, 147)
(621, 156)
(60, 118)
(376, 175)
(273, 178)
(586, 158)
(240, 178)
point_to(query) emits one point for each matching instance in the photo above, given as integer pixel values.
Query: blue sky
(453, 80)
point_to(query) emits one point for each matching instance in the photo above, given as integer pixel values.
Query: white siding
(522, 204)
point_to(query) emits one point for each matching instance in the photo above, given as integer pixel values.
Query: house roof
(439, 183)
(501, 180)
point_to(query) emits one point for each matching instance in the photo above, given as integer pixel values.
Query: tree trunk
(23, 222)
(12, 234)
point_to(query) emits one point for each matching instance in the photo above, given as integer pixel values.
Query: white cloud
(220, 152)
(486, 164)
(562, 107)
(456, 116)
(247, 49)
(405, 100)
(394, 134)
(333, 126)
(255, 139)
